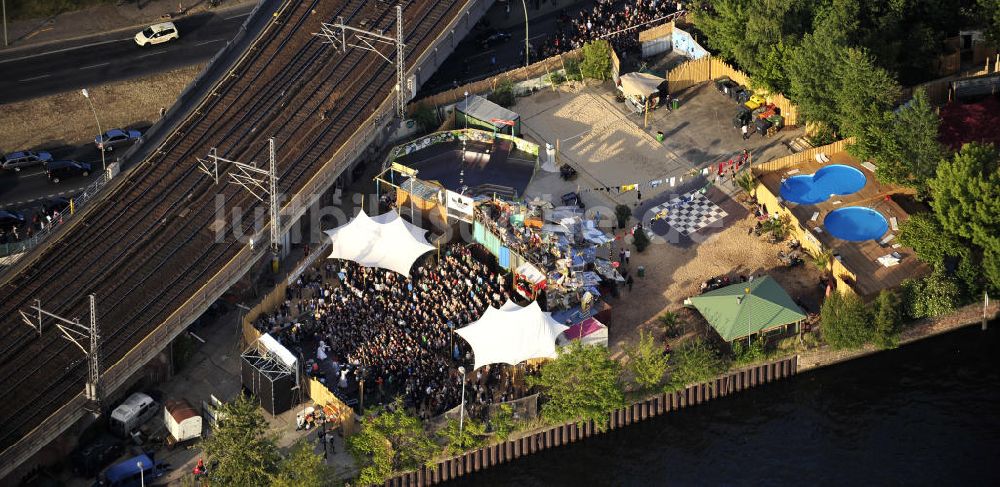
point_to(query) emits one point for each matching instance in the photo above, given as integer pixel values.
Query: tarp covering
(482, 109)
(589, 332)
(512, 334)
(735, 313)
(385, 241)
(641, 84)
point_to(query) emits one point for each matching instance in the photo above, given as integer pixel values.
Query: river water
(925, 414)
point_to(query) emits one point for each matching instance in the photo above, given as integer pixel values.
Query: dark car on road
(17, 160)
(10, 219)
(60, 170)
(492, 37)
(114, 137)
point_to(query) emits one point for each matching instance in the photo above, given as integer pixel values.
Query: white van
(157, 34)
(132, 414)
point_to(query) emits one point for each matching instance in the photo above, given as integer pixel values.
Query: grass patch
(34, 9)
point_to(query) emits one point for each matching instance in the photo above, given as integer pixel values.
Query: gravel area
(65, 119)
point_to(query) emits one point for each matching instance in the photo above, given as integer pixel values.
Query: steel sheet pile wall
(500, 453)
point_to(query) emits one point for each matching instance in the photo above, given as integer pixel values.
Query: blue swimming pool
(809, 189)
(856, 224)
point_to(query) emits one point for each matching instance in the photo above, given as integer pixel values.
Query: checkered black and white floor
(689, 213)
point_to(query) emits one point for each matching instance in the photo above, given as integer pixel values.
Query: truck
(133, 413)
(183, 422)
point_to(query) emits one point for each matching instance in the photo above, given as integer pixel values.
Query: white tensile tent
(385, 241)
(512, 334)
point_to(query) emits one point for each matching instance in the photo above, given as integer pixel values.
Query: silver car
(17, 160)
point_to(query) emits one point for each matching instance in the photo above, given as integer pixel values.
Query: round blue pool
(835, 179)
(856, 224)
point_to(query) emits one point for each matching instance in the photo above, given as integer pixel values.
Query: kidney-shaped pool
(835, 179)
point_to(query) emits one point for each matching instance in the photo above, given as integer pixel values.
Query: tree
(303, 468)
(966, 195)
(646, 361)
(822, 260)
(887, 318)
(622, 213)
(503, 93)
(390, 439)
(596, 60)
(240, 447)
(372, 452)
(845, 321)
(867, 93)
(989, 13)
(426, 117)
(941, 249)
(457, 440)
(581, 384)
(932, 295)
(695, 361)
(746, 183)
(640, 239)
(502, 421)
(909, 149)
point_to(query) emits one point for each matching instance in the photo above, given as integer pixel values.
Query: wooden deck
(858, 257)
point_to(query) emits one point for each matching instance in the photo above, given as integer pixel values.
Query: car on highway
(9, 219)
(60, 170)
(114, 137)
(157, 34)
(15, 161)
(491, 37)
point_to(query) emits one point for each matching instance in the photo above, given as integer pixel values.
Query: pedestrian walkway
(122, 15)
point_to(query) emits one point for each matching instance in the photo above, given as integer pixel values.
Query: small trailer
(183, 422)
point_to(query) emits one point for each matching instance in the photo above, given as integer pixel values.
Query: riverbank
(925, 328)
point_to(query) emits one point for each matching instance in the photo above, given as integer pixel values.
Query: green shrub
(888, 318)
(596, 60)
(640, 239)
(573, 72)
(695, 361)
(503, 93)
(845, 321)
(745, 354)
(623, 212)
(933, 295)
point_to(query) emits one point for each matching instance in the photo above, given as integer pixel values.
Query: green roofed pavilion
(735, 312)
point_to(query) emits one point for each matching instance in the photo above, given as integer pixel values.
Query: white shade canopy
(512, 334)
(385, 241)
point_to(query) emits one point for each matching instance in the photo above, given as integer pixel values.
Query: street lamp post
(461, 412)
(86, 95)
(526, 50)
(142, 474)
(4, 3)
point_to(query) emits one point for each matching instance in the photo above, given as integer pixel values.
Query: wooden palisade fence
(500, 453)
(540, 68)
(696, 71)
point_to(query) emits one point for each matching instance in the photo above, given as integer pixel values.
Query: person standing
(746, 132)
(628, 255)
(629, 281)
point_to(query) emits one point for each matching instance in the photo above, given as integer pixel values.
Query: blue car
(9, 219)
(114, 137)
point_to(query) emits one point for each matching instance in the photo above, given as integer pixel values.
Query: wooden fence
(708, 68)
(800, 157)
(545, 66)
(657, 32)
(939, 90)
(500, 453)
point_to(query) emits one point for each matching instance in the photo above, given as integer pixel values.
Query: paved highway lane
(101, 59)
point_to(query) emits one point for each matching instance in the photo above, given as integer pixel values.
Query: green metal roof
(735, 313)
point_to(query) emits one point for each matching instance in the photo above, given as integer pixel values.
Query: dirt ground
(675, 273)
(65, 119)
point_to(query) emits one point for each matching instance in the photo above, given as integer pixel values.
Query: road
(472, 62)
(97, 60)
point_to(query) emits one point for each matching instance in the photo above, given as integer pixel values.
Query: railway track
(147, 248)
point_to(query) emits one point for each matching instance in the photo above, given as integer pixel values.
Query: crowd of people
(611, 20)
(396, 332)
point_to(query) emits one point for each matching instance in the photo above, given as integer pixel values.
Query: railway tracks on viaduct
(153, 243)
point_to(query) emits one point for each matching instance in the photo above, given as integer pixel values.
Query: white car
(157, 34)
